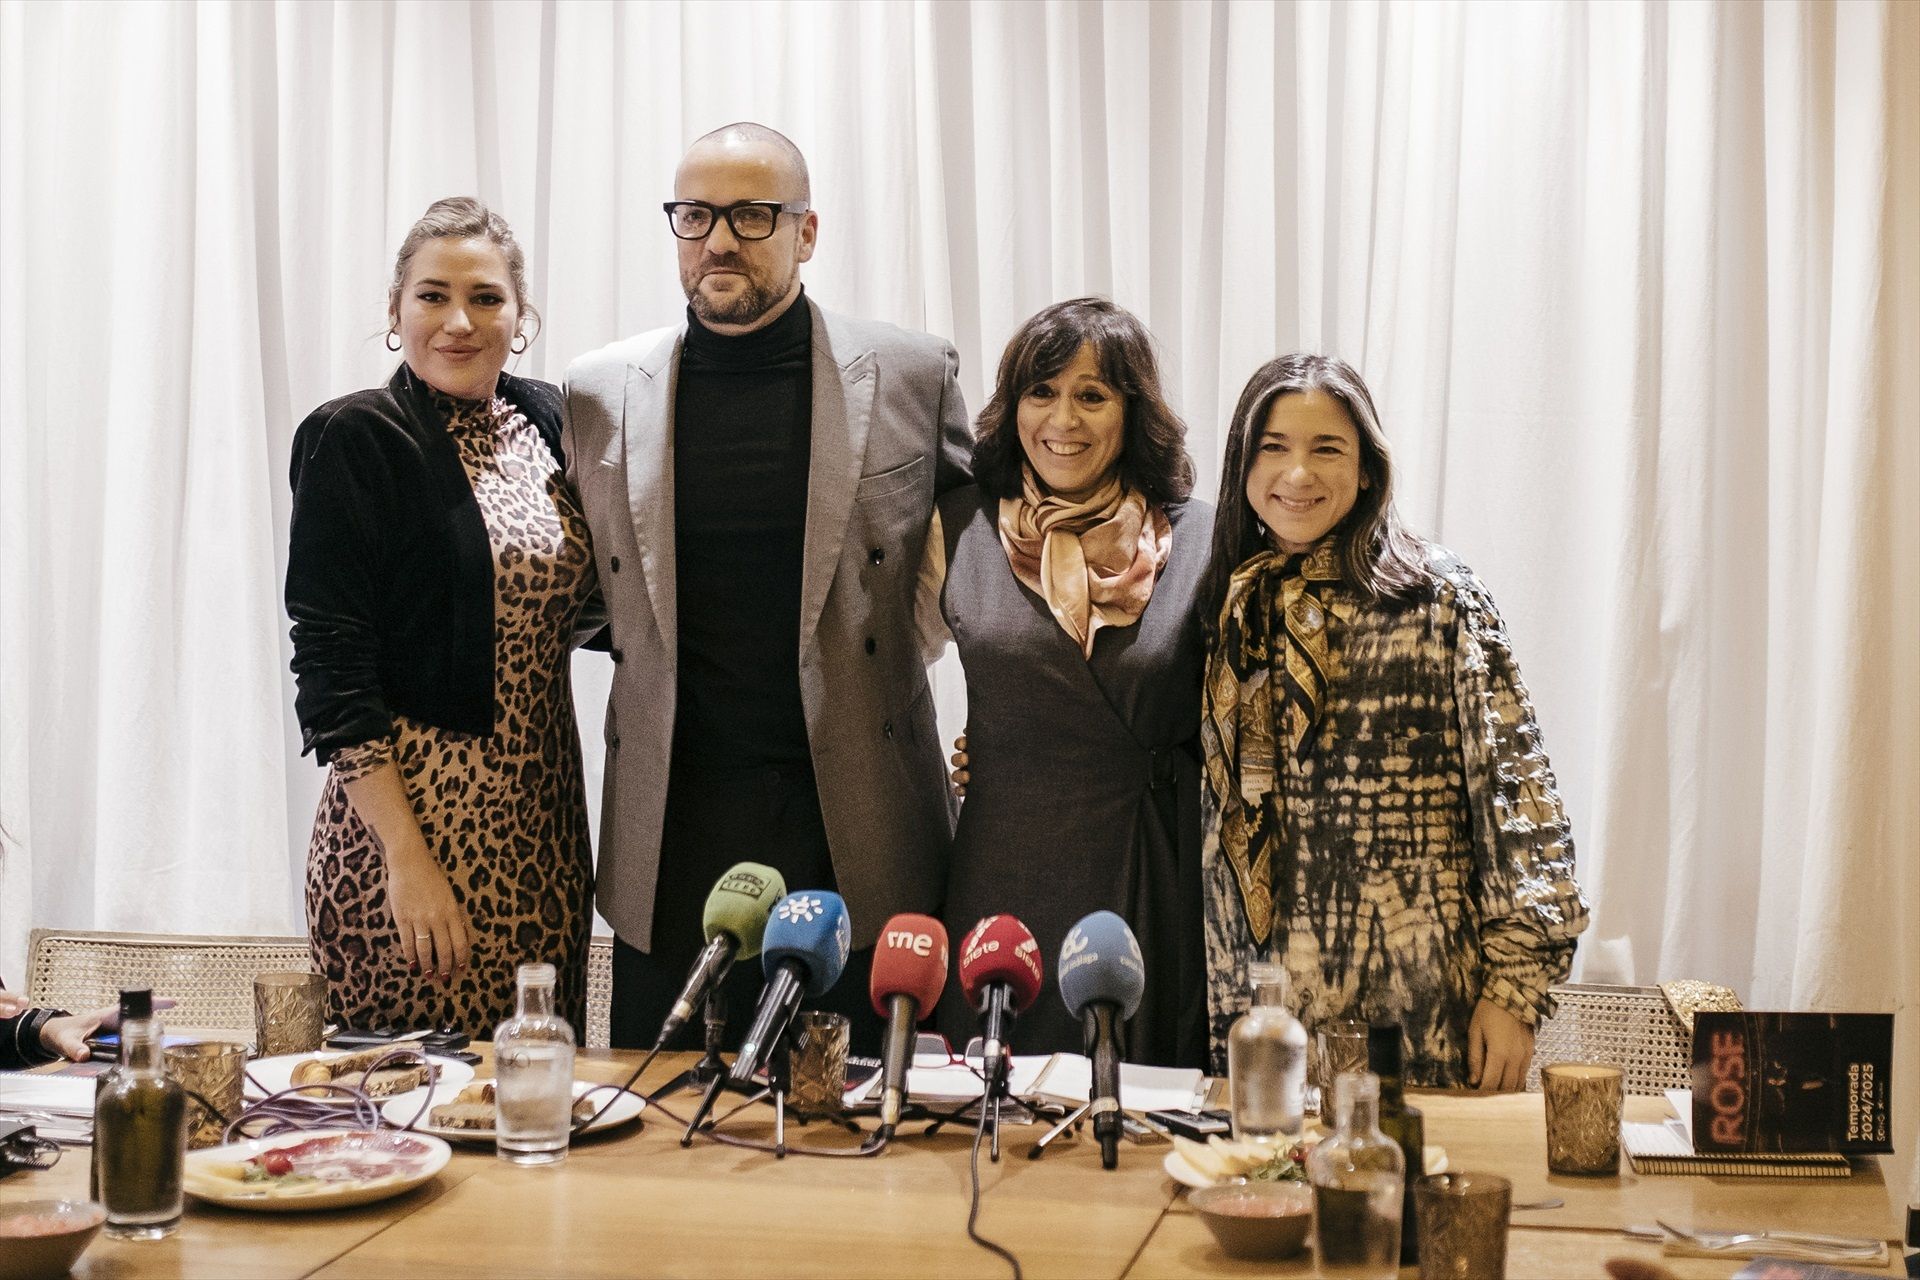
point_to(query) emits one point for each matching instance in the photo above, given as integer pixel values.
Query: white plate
(204, 1183)
(1186, 1175)
(398, 1111)
(275, 1074)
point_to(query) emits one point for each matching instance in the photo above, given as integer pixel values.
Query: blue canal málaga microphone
(803, 952)
(1102, 979)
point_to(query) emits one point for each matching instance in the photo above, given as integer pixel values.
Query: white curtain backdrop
(1637, 286)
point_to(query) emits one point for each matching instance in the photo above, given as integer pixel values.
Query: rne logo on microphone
(921, 944)
(1076, 942)
(744, 882)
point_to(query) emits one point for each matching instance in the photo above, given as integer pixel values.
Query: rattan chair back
(210, 976)
(599, 991)
(1631, 1027)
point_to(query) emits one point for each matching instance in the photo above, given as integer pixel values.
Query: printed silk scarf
(1094, 562)
(1266, 687)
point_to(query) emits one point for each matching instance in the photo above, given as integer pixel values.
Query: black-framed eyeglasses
(749, 219)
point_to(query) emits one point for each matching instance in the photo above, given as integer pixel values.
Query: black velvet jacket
(389, 571)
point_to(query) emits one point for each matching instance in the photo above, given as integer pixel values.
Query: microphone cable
(973, 1210)
(581, 1126)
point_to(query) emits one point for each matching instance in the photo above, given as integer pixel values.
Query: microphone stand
(777, 1089)
(702, 1073)
(779, 1081)
(987, 1108)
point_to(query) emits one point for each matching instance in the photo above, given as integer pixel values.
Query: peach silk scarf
(1094, 561)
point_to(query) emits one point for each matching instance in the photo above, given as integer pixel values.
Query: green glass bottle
(1404, 1124)
(140, 1131)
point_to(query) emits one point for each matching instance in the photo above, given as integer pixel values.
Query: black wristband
(27, 1028)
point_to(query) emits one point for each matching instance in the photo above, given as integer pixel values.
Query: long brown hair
(1153, 451)
(1378, 556)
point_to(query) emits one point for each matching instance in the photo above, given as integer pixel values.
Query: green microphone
(735, 923)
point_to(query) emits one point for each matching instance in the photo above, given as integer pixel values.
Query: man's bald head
(742, 140)
(737, 285)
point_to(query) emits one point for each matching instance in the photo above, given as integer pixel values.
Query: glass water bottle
(1358, 1180)
(533, 1075)
(1267, 1063)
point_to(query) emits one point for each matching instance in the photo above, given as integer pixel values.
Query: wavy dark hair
(1379, 557)
(1153, 451)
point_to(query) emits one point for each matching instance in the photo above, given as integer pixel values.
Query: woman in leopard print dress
(438, 572)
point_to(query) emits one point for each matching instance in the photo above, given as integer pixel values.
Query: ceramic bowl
(1264, 1220)
(60, 1230)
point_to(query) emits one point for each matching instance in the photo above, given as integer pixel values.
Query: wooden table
(633, 1202)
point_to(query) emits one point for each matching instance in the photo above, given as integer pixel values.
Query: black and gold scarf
(1266, 686)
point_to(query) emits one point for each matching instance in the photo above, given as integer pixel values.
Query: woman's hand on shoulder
(1499, 1049)
(960, 765)
(435, 937)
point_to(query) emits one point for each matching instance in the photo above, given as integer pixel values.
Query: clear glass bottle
(1267, 1062)
(533, 1075)
(1404, 1124)
(1358, 1178)
(140, 1131)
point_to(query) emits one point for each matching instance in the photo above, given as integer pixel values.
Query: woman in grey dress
(1066, 575)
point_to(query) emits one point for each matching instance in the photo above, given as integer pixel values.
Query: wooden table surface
(633, 1202)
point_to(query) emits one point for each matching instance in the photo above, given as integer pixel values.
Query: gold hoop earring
(391, 335)
(524, 342)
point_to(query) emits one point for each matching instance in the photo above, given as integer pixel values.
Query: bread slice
(321, 1070)
(385, 1082)
(462, 1115)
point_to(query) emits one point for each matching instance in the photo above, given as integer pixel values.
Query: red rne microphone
(909, 971)
(1000, 976)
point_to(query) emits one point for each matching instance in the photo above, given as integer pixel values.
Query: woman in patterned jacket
(1380, 813)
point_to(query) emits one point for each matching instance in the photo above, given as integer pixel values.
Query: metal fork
(1848, 1247)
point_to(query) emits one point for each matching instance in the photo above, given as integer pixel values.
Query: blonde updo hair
(463, 218)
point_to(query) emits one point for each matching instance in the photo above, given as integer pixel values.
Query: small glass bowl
(1256, 1219)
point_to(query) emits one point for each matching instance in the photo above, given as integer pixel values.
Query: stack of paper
(58, 1107)
(1668, 1148)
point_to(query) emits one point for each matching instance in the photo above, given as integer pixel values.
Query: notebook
(1667, 1147)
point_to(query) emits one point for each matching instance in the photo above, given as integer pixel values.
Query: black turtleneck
(743, 416)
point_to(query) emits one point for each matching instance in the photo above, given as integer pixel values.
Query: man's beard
(744, 307)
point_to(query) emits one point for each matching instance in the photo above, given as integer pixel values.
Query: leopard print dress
(506, 814)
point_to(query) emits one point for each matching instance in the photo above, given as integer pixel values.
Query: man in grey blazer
(759, 482)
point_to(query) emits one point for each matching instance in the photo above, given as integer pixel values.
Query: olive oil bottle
(140, 1131)
(1404, 1124)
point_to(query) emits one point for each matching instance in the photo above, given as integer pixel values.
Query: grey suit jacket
(889, 435)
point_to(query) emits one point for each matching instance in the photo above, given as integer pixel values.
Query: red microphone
(1000, 976)
(909, 970)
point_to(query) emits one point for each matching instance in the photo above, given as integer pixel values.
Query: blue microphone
(1102, 979)
(805, 950)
